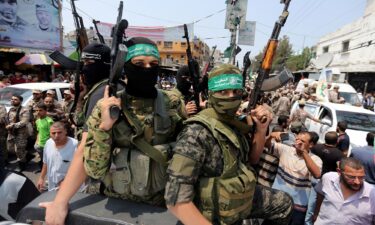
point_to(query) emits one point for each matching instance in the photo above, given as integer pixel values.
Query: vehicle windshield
(351, 98)
(357, 121)
(7, 93)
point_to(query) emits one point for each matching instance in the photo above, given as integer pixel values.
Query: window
(158, 42)
(345, 46)
(182, 57)
(183, 44)
(168, 44)
(357, 121)
(325, 49)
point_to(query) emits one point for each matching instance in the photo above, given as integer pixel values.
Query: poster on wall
(30, 24)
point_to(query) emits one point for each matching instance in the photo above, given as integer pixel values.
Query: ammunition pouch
(137, 174)
(231, 197)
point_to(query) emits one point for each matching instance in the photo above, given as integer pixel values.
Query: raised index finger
(106, 92)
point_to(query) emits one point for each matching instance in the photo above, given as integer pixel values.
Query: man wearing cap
(37, 98)
(333, 95)
(67, 103)
(43, 14)
(211, 180)
(301, 114)
(52, 94)
(283, 105)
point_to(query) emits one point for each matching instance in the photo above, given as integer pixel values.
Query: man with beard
(67, 103)
(344, 197)
(210, 177)
(8, 15)
(53, 112)
(146, 108)
(18, 118)
(31, 105)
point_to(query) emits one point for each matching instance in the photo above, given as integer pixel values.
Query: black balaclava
(140, 81)
(95, 72)
(183, 85)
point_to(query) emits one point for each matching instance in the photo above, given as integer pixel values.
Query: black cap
(138, 40)
(97, 52)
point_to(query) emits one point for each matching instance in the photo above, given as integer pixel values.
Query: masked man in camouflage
(18, 118)
(146, 125)
(211, 180)
(138, 143)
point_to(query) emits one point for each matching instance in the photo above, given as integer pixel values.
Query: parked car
(25, 90)
(360, 120)
(346, 91)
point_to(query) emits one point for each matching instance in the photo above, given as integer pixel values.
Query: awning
(34, 59)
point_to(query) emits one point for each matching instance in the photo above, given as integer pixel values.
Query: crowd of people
(209, 161)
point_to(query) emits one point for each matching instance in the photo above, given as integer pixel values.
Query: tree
(299, 62)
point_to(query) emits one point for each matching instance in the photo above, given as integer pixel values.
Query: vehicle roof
(41, 85)
(343, 107)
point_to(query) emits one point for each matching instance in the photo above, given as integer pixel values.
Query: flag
(228, 52)
(321, 89)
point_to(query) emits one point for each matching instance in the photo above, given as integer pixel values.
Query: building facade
(353, 49)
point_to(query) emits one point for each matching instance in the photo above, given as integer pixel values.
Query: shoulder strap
(138, 140)
(18, 114)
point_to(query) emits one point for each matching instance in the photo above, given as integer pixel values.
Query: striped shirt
(293, 176)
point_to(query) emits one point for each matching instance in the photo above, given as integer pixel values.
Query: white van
(360, 120)
(346, 91)
(25, 90)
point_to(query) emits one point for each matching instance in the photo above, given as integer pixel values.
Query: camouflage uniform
(55, 114)
(102, 147)
(178, 98)
(3, 133)
(197, 145)
(66, 106)
(17, 136)
(31, 107)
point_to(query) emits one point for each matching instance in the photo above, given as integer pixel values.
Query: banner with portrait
(175, 33)
(30, 24)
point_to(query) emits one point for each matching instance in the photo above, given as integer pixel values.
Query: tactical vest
(80, 117)
(140, 154)
(226, 199)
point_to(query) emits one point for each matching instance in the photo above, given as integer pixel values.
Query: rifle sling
(139, 141)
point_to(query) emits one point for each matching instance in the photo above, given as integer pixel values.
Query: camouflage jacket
(19, 127)
(100, 144)
(202, 154)
(3, 119)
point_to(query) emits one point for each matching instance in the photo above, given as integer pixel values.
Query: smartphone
(284, 136)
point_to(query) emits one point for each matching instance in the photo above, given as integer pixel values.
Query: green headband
(225, 81)
(142, 49)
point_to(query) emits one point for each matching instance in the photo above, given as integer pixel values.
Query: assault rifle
(193, 68)
(82, 41)
(100, 36)
(268, 56)
(118, 55)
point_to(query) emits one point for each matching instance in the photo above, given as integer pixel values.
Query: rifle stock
(268, 57)
(192, 65)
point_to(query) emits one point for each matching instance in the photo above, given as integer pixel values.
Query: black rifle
(100, 36)
(268, 56)
(193, 68)
(246, 65)
(118, 55)
(82, 41)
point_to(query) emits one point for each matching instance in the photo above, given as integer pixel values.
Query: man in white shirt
(344, 197)
(57, 155)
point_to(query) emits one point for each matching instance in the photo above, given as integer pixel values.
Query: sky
(308, 19)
